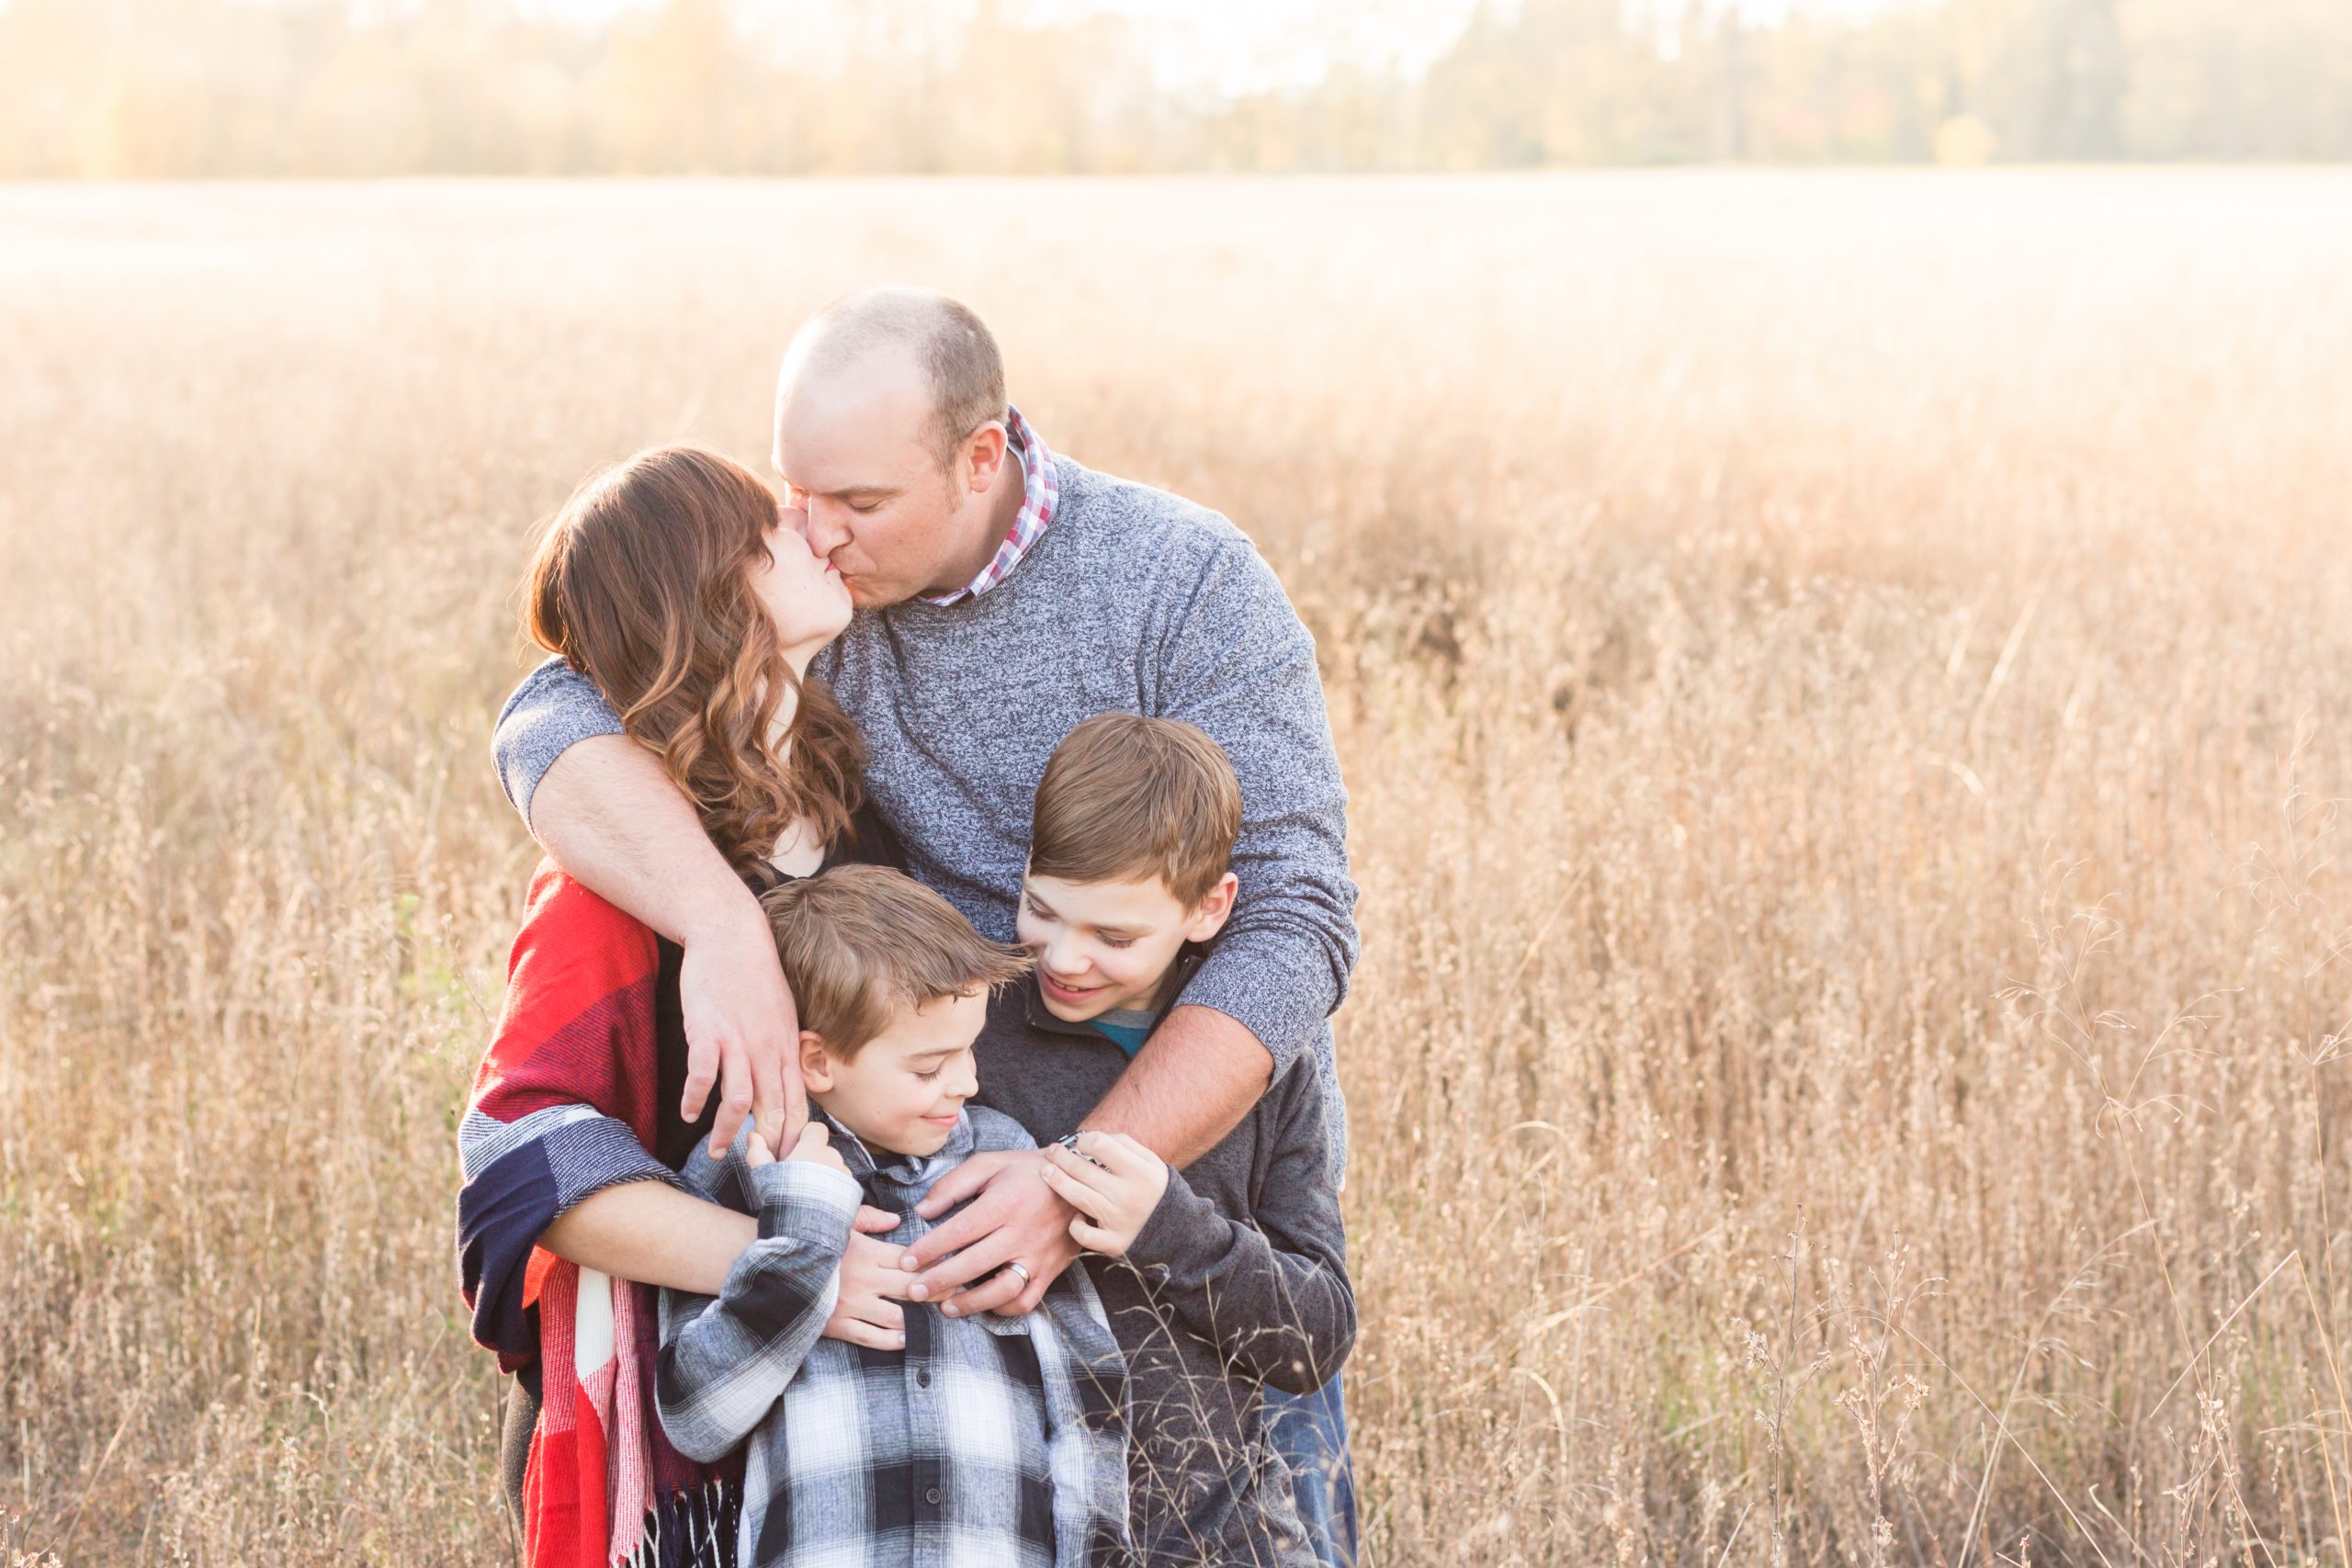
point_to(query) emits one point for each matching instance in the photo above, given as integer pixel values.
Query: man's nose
(828, 525)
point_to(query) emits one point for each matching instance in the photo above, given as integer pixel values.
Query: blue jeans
(1310, 1431)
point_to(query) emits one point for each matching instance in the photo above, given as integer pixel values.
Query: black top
(1238, 1281)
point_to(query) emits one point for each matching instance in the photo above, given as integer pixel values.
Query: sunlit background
(325, 87)
(1844, 676)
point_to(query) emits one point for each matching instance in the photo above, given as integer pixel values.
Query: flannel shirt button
(923, 1380)
(932, 1497)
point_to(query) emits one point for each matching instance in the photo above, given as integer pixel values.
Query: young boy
(1228, 1277)
(982, 1439)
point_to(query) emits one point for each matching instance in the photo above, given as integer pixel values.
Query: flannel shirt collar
(874, 1167)
(1040, 490)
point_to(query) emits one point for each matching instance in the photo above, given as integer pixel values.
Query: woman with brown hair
(676, 583)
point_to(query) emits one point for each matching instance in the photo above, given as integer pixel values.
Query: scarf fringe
(696, 1528)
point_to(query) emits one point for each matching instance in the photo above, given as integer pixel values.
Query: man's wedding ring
(1018, 1268)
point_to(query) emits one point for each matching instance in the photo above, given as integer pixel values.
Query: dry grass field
(1845, 682)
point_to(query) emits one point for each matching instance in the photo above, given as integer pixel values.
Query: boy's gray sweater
(1132, 599)
(1239, 1280)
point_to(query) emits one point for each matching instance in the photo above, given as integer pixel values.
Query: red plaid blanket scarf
(564, 1106)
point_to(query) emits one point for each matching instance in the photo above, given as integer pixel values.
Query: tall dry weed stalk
(1845, 682)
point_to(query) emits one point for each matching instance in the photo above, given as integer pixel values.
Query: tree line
(170, 88)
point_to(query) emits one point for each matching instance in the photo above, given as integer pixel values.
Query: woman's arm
(650, 1231)
(552, 1145)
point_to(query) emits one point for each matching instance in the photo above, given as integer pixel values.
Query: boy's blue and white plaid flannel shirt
(987, 1441)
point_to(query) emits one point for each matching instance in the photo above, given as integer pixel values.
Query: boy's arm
(724, 1361)
(1274, 1296)
(602, 806)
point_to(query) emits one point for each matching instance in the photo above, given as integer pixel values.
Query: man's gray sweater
(1132, 599)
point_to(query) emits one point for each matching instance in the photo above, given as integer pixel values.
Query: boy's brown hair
(861, 942)
(1127, 797)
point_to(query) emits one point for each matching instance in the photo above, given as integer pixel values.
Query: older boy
(980, 1439)
(1224, 1280)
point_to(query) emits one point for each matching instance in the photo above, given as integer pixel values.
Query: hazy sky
(1225, 45)
(1237, 45)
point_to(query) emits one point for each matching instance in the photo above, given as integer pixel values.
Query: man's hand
(1015, 1218)
(867, 1313)
(743, 1032)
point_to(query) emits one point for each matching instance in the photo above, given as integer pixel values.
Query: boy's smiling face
(1106, 946)
(905, 1089)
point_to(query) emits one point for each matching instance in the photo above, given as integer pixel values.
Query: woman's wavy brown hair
(643, 583)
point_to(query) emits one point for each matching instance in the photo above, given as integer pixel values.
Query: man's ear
(1214, 909)
(985, 451)
(816, 1063)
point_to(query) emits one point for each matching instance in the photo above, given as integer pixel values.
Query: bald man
(1003, 595)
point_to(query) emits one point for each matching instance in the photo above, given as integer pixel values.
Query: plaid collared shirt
(988, 1442)
(1039, 490)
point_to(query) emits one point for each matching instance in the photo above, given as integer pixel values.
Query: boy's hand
(1114, 1182)
(866, 1310)
(814, 1146)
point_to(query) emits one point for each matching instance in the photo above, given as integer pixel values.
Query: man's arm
(1234, 658)
(1194, 1079)
(602, 806)
(1237, 662)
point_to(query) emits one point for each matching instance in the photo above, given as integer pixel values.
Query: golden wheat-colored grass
(1844, 679)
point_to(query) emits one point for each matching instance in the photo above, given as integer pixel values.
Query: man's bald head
(944, 339)
(893, 440)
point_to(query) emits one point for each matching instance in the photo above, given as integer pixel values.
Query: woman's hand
(743, 1032)
(1114, 1182)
